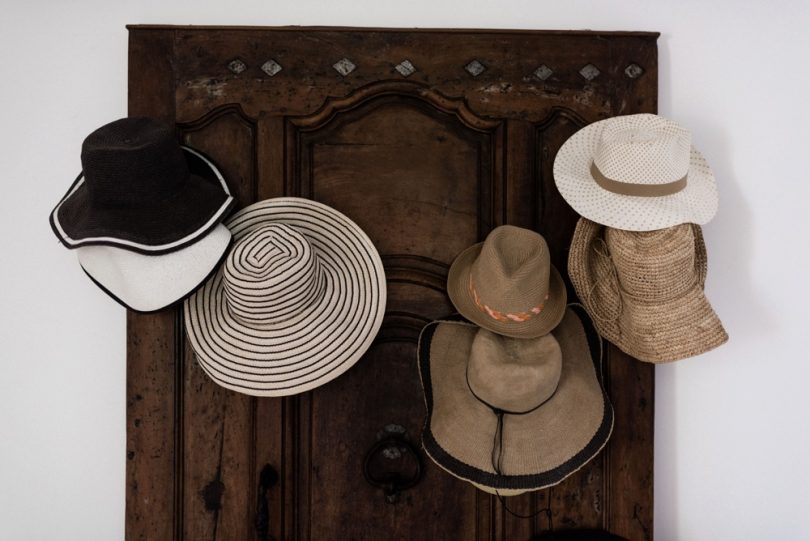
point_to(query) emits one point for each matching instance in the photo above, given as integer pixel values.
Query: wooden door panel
(418, 180)
(426, 160)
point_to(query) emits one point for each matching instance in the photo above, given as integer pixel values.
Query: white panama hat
(148, 283)
(298, 301)
(636, 173)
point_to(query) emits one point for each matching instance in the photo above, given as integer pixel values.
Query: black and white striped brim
(299, 300)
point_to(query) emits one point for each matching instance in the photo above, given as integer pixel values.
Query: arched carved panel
(425, 164)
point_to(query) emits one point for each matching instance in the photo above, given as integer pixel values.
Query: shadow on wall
(729, 243)
(730, 246)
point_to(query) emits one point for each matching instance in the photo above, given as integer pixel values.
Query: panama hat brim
(159, 227)
(541, 448)
(696, 203)
(316, 345)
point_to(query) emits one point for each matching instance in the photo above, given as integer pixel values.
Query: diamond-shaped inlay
(405, 68)
(237, 66)
(271, 67)
(633, 71)
(543, 72)
(590, 72)
(344, 66)
(475, 68)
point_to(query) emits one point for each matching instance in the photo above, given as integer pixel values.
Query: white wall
(731, 427)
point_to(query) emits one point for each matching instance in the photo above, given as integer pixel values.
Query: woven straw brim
(541, 448)
(148, 283)
(458, 279)
(697, 203)
(318, 344)
(157, 227)
(656, 332)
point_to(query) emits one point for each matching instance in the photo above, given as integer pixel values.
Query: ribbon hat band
(638, 190)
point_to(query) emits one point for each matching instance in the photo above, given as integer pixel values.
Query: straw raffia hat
(637, 173)
(298, 301)
(507, 284)
(512, 415)
(644, 290)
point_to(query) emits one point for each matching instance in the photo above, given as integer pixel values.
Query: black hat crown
(133, 160)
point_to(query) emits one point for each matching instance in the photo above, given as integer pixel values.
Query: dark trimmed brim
(156, 227)
(458, 279)
(575, 326)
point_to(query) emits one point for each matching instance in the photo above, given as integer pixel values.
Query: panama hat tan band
(636, 189)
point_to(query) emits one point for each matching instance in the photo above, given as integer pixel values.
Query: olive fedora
(508, 285)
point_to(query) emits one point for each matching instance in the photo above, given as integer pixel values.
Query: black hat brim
(158, 227)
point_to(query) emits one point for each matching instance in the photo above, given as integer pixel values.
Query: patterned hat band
(506, 317)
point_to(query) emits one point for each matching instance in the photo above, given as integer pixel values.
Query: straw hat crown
(514, 375)
(655, 151)
(656, 266)
(511, 274)
(271, 275)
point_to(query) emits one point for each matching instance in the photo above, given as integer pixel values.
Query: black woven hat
(140, 190)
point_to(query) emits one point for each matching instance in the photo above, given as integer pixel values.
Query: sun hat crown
(271, 275)
(654, 266)
(132, 160)
(511, 274)
(511, 374)
(643, 149)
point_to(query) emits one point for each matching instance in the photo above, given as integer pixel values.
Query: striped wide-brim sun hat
(298, 301)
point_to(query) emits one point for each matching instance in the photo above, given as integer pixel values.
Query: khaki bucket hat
(508, 285)
(644, 290)
(508, 415)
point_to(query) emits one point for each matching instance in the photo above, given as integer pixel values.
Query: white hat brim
(147, 283)
(318, 344)
(697, 203)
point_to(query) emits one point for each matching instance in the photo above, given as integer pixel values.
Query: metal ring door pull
(392, 464)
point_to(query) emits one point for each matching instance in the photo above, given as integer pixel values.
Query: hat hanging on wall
(297, 302)
(637, 173)
(644, 290)
(140, 190)
(512, 415)
(146, 283)
(508, 285)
